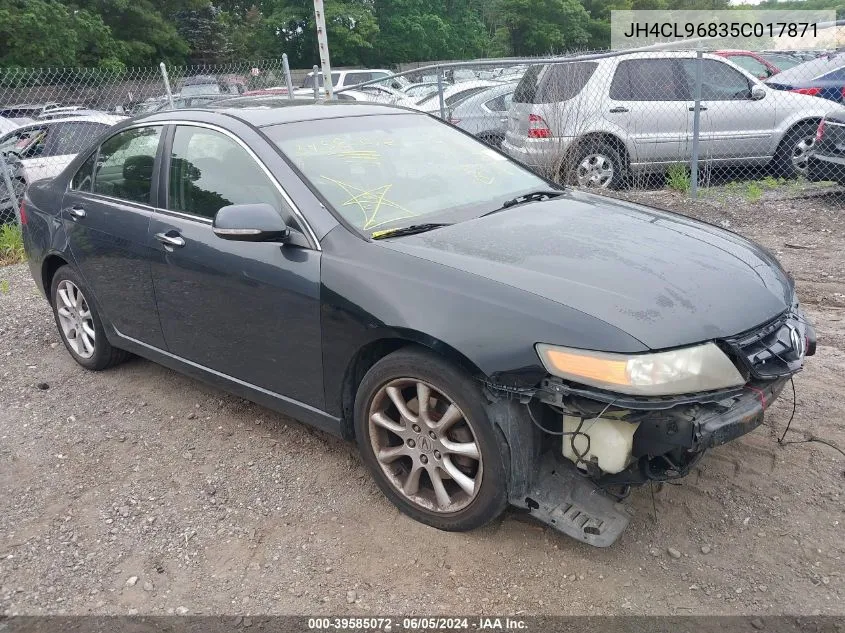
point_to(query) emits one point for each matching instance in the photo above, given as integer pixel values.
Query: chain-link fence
(717, 123)
(48, 116)
(699, 122)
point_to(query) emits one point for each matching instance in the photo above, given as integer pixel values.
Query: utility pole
(323, 45)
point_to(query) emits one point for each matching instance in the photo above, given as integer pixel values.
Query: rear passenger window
(125, 165)
(500, 103)
(647, 80)
(85, 176)
(208, 170)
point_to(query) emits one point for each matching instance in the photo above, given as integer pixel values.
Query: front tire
(440, 462)
(79, 324)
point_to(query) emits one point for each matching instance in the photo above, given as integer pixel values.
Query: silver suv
(596, 123)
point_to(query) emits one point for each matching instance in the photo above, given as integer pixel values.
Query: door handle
(174, 241)
(700, 108)
(618, 110)
(77, 212)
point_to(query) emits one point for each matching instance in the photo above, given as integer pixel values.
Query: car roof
(264, 116)
(809, 70)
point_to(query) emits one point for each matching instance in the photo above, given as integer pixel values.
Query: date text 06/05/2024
(720, 29)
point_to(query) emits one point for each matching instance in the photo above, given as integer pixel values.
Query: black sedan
(485, 336)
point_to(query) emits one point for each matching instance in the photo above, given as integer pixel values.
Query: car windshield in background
(391, 171)
(309, 80)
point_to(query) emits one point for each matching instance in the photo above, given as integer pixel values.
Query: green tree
(540, 27)
(48, 33)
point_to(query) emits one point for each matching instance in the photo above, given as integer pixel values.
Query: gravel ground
(138, 490)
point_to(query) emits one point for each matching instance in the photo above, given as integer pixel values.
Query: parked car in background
(201, 85)
(821, 77)
(453, 94)
(27, 110)
(782, 61)
(420, 91)
(485, 113)
(596, 123)
(755, 64)
(827, 161)
(343, 78)
(313, 259)
(44, 148)
(62, 113)
(181, 101)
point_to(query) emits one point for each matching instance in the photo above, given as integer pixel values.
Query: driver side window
(720, 82)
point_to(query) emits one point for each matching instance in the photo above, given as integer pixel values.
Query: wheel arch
(377, 348)
(49, 266)
(792, 125)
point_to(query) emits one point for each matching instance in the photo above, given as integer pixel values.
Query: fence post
(288, 81)
(696, 123)
(166, 84)
(323, 43)
(13, 198)
(440, 92)
(316, 83)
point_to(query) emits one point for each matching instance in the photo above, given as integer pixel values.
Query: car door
(106, 212)
(648, 102)
(248, 310)
(733, 125)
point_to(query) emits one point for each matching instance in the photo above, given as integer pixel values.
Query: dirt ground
(138, 490)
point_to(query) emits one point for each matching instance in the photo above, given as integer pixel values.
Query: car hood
(664, 279)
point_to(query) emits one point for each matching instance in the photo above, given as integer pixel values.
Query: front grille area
(774, 350)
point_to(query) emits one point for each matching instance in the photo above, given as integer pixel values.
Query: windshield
(389, 171)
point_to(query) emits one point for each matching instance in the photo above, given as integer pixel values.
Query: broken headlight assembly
(699, 368)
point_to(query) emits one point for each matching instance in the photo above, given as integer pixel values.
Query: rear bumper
(541, 154)
(826, 168)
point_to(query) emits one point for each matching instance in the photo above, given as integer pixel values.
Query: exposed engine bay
(590, 446)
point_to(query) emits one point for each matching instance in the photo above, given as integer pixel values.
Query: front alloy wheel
(425, 445)
(423, 432)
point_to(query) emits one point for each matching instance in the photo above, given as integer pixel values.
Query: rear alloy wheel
(424, 434)
(79, 324)
(596, 165)
(793, 154)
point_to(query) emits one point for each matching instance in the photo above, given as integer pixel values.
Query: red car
(752, 62)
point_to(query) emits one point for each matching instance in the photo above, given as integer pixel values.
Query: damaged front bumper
(566, 487)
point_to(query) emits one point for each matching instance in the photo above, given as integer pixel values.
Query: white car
(42, 149)
(454, 94)
(343, 78)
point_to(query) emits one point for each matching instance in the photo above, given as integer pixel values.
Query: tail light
(820, 131)
(23, 213)
(454, 121)
(537, 127)
(807, 91)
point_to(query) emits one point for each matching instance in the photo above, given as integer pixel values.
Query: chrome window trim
(312, 237)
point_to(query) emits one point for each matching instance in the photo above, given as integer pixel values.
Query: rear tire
(442, 466)
(79, 324)
(596, 164)
(791, 157)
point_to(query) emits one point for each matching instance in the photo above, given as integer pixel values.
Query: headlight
(688, 370)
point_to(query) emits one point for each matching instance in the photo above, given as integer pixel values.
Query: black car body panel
(827, 162)
(293, 326)
(656, 276)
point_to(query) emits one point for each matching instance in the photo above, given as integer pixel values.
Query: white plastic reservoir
(610, 443)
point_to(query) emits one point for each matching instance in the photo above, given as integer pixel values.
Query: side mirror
(758, 92)
(250, 223)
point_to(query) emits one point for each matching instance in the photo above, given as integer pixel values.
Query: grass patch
(11, 245)
(678, 178)
(754, 192)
